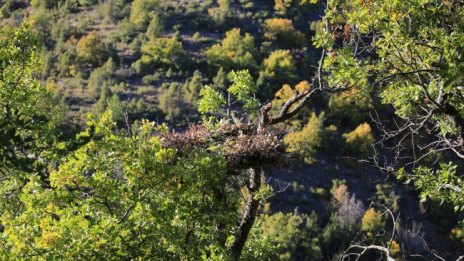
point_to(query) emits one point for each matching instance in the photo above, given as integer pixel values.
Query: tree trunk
(249, 213)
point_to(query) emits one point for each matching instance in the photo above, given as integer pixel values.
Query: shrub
(171, 101)
(102, 103)
(221, 13)
(386, 194)
(457, 235)
(350, 105)
(287, 92)
(142, 12)
(87, 2)
(395, 248)
(219, 81)
(308, 140)
(320, 193)
(288, 236)
(41, 21)
(334, 238)
(125, 32)
(372, 222)
(163, 51)
(340, 194)
(91, 50)
(282, 32)
(284, 7)
(99, 76)
(192, 88)
(117, 107)
(233, 52)
(277, 69)
(360, 140)
(350, 211)
(48, 4)
(156, 27)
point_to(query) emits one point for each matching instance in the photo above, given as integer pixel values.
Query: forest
(231, 130)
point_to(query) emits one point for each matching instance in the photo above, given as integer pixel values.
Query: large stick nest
(242, 146)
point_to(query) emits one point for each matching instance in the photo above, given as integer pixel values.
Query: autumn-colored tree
(283, 7)
(372, 222)
(233, 52)
(282, 32)
(286, 92)
(308, 140)
(360, 140)
(220, 13)
(143, 11)
(91, 50)
(277, 69)
(163, 51)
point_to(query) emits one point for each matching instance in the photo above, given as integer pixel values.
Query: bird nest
(241, 146)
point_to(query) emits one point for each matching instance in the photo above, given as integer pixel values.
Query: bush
(335, 238)
(221, 13)
(350, 105)
(192, 88)
(100, 76)
(163, 51)
(117, 107)
(285, 7)
(457, 235)
(125, 32)
(287, 92)
(360, 140)
(372, 222)
(340, 194)
(171, 101)
(156, 27)
(150, 79)
(308, 140)
(87, 2)
(385, 194)
(91, 50)
(282, 32)
(284, 236)
(320, 193)
(234, 52)
(277, 69)
(142, 12)
(350, 212)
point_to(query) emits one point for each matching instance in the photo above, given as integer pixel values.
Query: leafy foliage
(360, 140)
(108, 200)
(143, 11)
(234, 52)
(283, 32)
(441, 184)
(244, 88)
(277, 69)
(288, 236)
(211, 101)
(372, 222)
(163, 51)
(91, 50)
(306, 141)
(28, 116)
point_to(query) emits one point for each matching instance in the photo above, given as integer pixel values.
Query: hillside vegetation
(231, 129)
